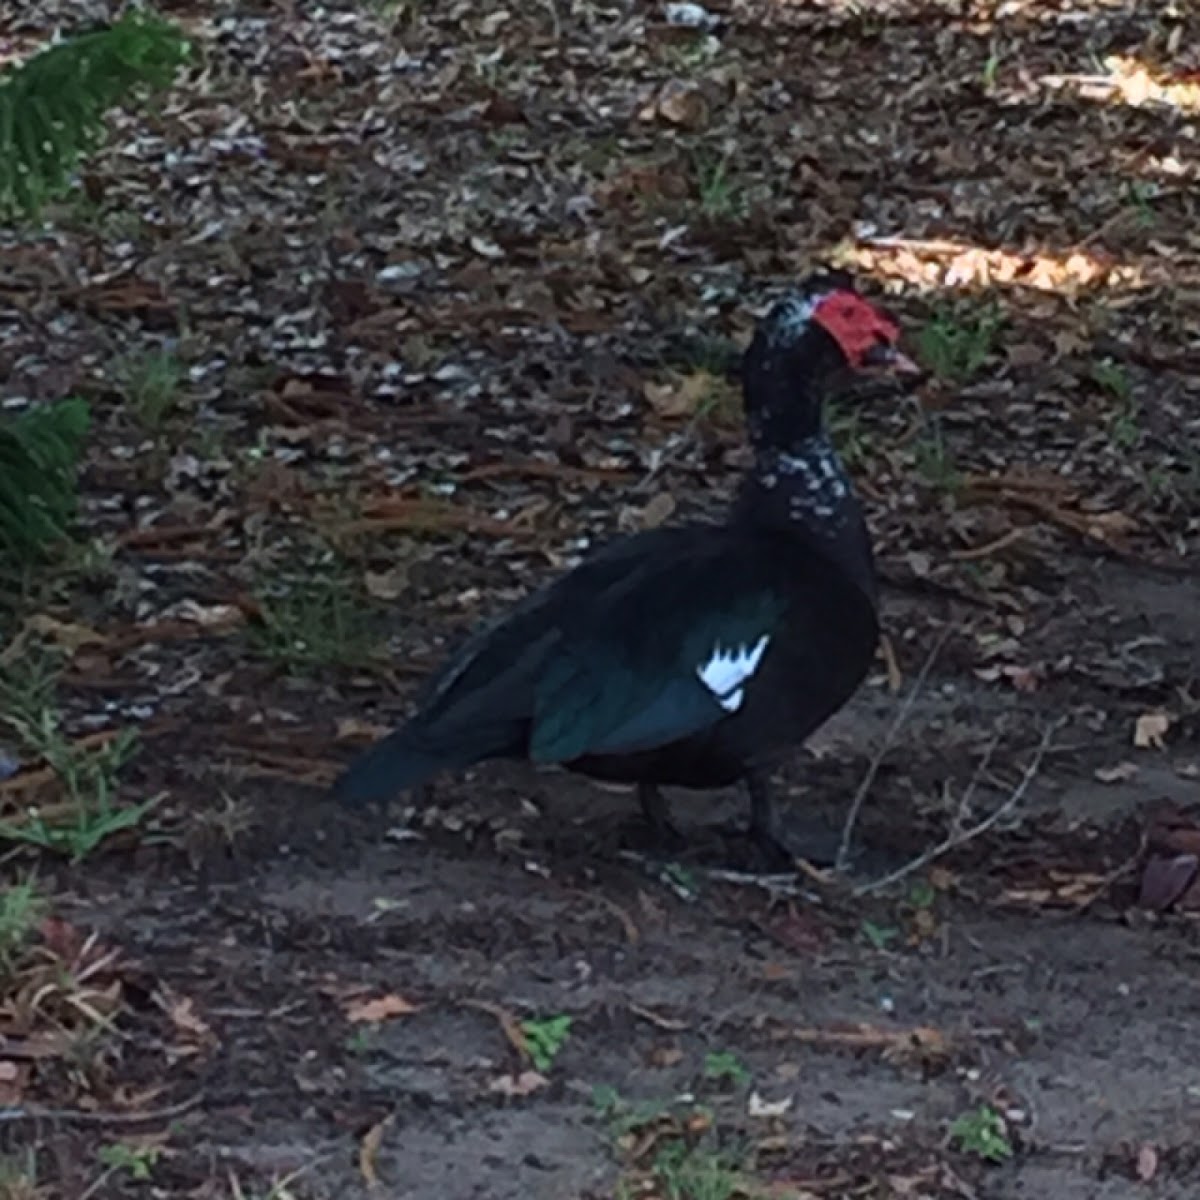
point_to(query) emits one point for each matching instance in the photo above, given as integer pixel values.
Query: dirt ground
(451, 287)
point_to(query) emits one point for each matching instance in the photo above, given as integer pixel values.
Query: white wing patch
(726, 671)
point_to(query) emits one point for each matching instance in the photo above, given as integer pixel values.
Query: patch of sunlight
(936, 263)
(1129, 81)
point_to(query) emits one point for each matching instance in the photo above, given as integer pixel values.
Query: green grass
(957, 341)
(21, 908)
(687, 1164)
(18, 1177)
(683, 1172)
(545, 1037)
(314, 620)
(991, 69)
(52, 105)
(681, 880)
(933, 461)
(720, 193)
(1140, 195)
(692, 58)
(87, 812)
(150, 384)
(1124, 422)
(40, 450)
(879, 936)
(722, 1066)
(624, 1116)
(1124, 425)
(362, 1041)
(982, 1133)
(1112, 378)
(136, 1162)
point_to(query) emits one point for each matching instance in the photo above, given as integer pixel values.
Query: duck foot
(778, 847)
(657, 813)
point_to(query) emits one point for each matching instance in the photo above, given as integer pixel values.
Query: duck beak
(887, 360)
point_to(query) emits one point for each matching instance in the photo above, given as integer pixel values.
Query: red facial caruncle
(855, 324)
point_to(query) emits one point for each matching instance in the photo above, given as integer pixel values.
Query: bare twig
(972, 553)
(777, 885)
(960, 835)
(97, 1184)
(843, 855)
(86, 1116)
(964, 804)
(1121, 869)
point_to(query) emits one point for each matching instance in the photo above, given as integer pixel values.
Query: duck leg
(780, 847)
(658, 816)
(764, 824)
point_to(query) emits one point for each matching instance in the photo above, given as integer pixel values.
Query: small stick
(1018, 534)
(1113, 876)
(85, 1116)
(98, 1183)
(843, 855)
(964, 805)
(777, 885)
(959, 836)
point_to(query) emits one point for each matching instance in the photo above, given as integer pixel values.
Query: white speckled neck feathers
(810, 477)
(804, 490)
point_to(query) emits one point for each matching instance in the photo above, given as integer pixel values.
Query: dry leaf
(212, 616)
(894, 675)
(658, 509)
(681, 396)
(756, 1106)
(664, 1056)
(941, 879)
(517, 1085)
(1147, 1162)
(1118, 773)
(368, 1151)
(13, 1077)
(1149, 730)
(508, 1023)
(485, 247)
(683, 104)
(385, 585)
(351, 729)
(182, 1011)
(1026, 354)
(380, 1009)
(1166, 879)
(64, 633)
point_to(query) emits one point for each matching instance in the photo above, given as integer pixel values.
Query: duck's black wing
(647, 641)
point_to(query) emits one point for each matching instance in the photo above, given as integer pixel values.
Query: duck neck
(802, 488)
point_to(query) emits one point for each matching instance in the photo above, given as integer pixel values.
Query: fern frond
(39, 453)
(52, 106)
